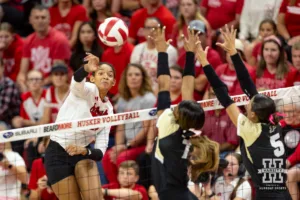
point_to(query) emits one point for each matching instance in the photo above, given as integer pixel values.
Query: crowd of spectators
(42, 42)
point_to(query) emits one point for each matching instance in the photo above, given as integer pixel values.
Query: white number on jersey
(276, 143)
(187, 148)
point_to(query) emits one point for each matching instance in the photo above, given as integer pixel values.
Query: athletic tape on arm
(123, 118)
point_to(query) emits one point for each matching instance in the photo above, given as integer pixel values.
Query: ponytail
(275, 118)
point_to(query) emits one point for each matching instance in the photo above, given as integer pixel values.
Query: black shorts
(58, 163)
(177, 194)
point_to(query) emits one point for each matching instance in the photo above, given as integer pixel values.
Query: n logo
(272, 171)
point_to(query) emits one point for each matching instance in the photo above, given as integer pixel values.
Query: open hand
(190, 43)
(159, 39)
(201, 55)
(93, 63)
(229, 40)
(73, 150)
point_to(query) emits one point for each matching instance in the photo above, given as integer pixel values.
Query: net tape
(123, 118)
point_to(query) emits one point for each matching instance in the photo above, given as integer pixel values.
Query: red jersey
(66, 24)
(54, 102)
(43, 51)
(220, 128)
(293, 78)
(12, 58)
(119, 61)
(31, 110)
(228, 76)
(37, 172)
(292, 17)
(212, 56)
(221, 12)
(138, 19)
(136, 187)
(268, 81)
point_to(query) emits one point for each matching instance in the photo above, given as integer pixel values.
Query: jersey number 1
(277, 144)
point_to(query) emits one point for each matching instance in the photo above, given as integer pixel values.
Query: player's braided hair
(205, 156)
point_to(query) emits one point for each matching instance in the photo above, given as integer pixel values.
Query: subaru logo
(8, 135)
(153, 112)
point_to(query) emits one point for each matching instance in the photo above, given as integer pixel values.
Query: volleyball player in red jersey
(69, 162)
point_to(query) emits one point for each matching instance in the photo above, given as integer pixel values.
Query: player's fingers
(163, 30)
(169, 42)
(206, 50)
(234, 34)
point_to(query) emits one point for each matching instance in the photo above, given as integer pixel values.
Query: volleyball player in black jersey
(177, 146)
(261, 141)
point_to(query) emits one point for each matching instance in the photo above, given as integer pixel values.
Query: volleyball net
(282, 97)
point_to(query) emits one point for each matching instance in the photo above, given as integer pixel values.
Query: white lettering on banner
(129, 117)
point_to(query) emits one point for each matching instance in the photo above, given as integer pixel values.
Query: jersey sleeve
(80, 89)
(166, 124)
(248, 130)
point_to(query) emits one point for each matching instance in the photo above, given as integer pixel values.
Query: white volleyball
(113, 32)
(291, 139)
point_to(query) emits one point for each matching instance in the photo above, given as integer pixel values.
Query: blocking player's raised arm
(188, 81)
(78, 87)
(243, 76)
(163, 71)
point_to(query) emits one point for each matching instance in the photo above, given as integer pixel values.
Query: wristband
(94, 154)
(163, 64)
(189, 69)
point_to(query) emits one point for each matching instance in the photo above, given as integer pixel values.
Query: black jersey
(264, 156)
(169, 157)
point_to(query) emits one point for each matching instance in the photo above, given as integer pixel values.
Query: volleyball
(292, 138)
(113, 32)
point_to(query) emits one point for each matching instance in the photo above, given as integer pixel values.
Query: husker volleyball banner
(129, 117)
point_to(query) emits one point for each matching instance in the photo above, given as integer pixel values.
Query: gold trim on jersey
(166, 125)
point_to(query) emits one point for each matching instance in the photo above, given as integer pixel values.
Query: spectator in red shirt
(42, 48)
(294, 78)
(227, 73)
(56, 94)
(152, 8)
(221, 12)
(66, 16)
(252, 52)
(288, 21)
(272, 70)
(33, 101)
(213, 58)
(39, 189)
(219, 128)
(86, 42)
(119, 57)
(11, 46)
(188, 11)
(126, 187)
(31, 111)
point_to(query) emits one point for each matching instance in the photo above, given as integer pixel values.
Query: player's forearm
(243, 76)
(219, 87)
(188, 80)
(163, 72)
(80, 74)
(20, 172)
(35, 194)
(124, 194)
